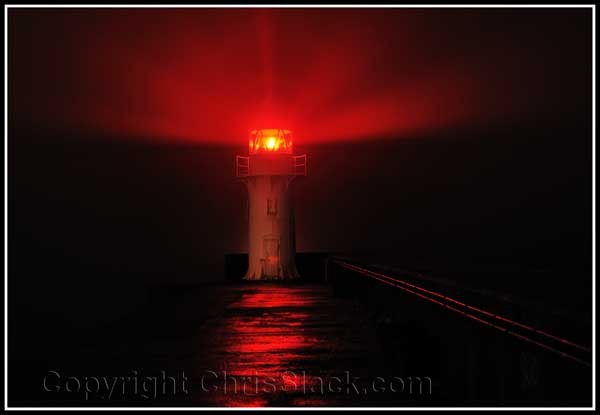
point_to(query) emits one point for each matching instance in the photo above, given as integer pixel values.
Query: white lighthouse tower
(268, 172)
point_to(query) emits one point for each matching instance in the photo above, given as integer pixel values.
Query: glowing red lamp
(271, 140)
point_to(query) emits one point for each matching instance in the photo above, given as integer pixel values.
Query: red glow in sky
(212, 75)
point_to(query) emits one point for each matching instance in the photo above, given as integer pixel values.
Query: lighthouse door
(271, 252)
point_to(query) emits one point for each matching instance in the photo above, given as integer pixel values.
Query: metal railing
(300, 165)
(527, 333)
(242, 166)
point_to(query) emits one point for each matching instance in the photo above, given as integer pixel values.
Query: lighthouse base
(260, 274)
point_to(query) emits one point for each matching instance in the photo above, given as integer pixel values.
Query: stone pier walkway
(248, 345)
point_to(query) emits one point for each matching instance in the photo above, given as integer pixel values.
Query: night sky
(439, 137)
(210, 75)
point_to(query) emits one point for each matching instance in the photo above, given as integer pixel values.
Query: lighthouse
(268, 172)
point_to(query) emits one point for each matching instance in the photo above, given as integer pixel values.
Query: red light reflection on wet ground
(278, 344)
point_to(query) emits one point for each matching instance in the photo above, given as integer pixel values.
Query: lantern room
(270, 140)
(270, 153)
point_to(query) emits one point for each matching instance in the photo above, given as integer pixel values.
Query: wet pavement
(271, 345)
(255, 344)
(284, 345)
